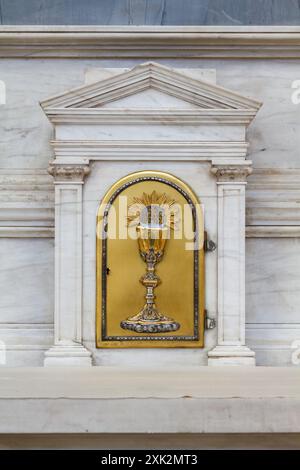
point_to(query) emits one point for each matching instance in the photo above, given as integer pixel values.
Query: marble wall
(25, 130)
(26, 301)
(273, 298)
(151, 12)
(27, 203)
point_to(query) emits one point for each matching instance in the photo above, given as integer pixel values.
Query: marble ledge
(98, 42)
(115, 400)
(252, 231)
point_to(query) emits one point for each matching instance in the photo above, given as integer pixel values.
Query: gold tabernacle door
(150, 264)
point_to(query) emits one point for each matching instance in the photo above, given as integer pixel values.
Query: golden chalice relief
(150, 264)
(153, 216)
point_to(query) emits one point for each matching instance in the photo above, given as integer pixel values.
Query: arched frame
(118, 262)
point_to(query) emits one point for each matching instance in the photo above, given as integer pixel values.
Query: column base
(231, 356)
(68, 355)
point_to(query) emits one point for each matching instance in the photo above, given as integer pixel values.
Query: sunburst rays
(154, 204)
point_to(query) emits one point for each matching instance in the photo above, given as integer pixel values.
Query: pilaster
(231, 348)
(68, 348)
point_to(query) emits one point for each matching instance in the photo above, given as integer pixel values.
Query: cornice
(152, 116)
(212, 42)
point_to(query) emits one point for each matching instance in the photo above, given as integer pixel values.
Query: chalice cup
(151, 243)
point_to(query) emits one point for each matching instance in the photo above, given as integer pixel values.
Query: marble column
(231, 348)
(68, 349)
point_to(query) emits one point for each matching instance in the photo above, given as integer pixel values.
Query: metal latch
(209, 245)
(210, 323)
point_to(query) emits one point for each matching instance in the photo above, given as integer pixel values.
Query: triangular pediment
(149, 99)
(197, 94)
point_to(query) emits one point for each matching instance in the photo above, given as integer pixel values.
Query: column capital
(231, 173)
(68, 173)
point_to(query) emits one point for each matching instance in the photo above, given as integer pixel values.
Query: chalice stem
(150, 280)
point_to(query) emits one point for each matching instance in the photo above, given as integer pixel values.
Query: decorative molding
(205, 95)
(26, 232)
(74, 151)
(272, 336)
(68, 173)
(27, 213)
(27, 196)
(157, 42)
(26, 203)
(272, 231)
(26, 336)
(274, 179)
(231, 173)
(273, 196)
(252, 231)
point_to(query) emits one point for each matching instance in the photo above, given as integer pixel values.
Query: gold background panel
(125, 295)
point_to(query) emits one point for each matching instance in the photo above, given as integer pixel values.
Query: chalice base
(150, 326)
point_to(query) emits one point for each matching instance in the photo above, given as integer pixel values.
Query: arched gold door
(150, 292)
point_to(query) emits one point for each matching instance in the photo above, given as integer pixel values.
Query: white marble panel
(273, 280)
(274, 135)
(26, 336)
(26, 280)
(25, 131)
(25, 358)
(160, 132)
(274, 344)
(24, 345)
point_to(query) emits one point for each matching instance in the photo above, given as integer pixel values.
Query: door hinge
(210, 323)
(209, 245)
